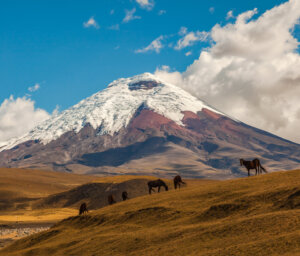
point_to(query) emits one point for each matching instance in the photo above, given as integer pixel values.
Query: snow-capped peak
(113, 108)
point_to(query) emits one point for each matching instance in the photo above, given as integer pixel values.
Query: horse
(111, 199)
(177, 181)
(254, 164)
(157, 183)
(124, 195)
(83, 209)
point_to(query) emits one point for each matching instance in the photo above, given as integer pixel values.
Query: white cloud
(251, 70)
(211, 10)
(34, 87)
(182, 31)
(91, 23)
(18, 116)
(229, 15)
(190, 38)
(112, 11)
(161, 12)
(114, 27)
(155, 45)
(146, 4)
(129, 15)
(188, 53)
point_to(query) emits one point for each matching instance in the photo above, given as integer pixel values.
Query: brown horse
(254, 164)
(125, 195)
(177, 181)
(83, 208)
(157, 183)
(111, 199)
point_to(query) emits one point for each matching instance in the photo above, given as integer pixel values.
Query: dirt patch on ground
(11, 233)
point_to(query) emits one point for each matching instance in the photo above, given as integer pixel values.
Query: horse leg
(158, 189)
(150, 188)
(248, 172)
(175, 184)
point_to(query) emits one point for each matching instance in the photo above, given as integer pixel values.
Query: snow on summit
(112, 108)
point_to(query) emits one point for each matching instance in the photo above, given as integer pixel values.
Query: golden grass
(120, 178)
(41, 215)
(15, 183)
(250, 216)
(19, 188)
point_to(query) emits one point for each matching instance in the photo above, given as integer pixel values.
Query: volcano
(143, 125)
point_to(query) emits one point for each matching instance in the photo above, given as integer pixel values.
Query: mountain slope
(250, 216)
(143, 125)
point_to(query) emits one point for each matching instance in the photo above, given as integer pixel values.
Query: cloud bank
(251, 70)
(18, 116)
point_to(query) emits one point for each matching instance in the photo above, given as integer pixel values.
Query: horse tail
(263, 168)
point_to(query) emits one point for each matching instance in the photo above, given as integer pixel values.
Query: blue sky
(240, 56)
(45, 42)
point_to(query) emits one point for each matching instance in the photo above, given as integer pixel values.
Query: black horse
(177, 181)
(111, 199)
(254, 164)
(125, 195)
(83, 208)
(157, 183)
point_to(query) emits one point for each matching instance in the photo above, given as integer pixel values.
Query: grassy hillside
(250, 216)
(95, 194)
(20, 187)
(34, 183)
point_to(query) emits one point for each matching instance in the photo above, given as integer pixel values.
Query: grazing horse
(177, 181)
(111, 199)
(254, 164)
(156, 183)
(124, 195)
(83, 208)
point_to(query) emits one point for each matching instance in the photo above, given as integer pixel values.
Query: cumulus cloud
(155, 45)
(229, 15)
(34, 88)
(251, 70)
(129, 15)
(146, 4)
(190, 38)
(91, 23)
(18, 116)
(211, 10)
